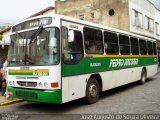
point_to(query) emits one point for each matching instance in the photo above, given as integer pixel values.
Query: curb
(8, 102)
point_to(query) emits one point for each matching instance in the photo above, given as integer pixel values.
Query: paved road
(128, 99)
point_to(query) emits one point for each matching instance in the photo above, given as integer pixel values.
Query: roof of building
(34, 15)
(42, 11)
(5, 30)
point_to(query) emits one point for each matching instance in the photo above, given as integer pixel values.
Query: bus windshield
(36, 47)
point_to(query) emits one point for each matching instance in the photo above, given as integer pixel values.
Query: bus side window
(134, 46)
(93, 41)
(111, 43)
(124, 45)
(72, 50)
(150, 47)
(143, 47)
(155, 48)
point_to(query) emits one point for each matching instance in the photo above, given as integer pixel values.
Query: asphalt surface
(128, 99)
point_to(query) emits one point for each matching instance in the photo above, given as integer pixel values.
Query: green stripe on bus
(19, 73)
(100, 64)
(29, 73)
(39, 72)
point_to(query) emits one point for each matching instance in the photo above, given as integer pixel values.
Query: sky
(157, 3)
(12, 11)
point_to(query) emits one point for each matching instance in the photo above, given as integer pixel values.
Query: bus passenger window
(111, 43)
(143, 47)
(124, 45)
(155, 48)
(150, 48)
(134, 46)
(93, 41)
(72, 50)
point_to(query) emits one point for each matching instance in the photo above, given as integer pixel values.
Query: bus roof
(87, 23)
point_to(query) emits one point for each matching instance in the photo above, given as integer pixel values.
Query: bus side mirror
(53, 42)
(70, 36)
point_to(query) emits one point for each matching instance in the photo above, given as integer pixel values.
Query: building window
(81, 16)
(149, 24)
(92, 15)
(111, 12)
(157, 28)
(137, 19)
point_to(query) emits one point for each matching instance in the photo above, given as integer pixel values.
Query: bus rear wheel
(92, 91)
(143, 76)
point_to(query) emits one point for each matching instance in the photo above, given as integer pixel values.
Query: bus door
(72, 50)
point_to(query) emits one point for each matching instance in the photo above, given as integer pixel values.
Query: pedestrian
(4, 79)
(1, 66)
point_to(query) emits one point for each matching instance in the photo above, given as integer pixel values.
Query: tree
(1, 37)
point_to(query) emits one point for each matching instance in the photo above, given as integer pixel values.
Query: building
(4, 44)
(106, 12)
(136, 16)
(144, 18)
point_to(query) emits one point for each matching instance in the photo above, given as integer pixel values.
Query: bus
(57, 59)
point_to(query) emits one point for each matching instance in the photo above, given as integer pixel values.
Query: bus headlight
(10, 82)
(46, 84)
(13, 82)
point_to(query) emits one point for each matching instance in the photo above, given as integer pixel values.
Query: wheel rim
(93, 90)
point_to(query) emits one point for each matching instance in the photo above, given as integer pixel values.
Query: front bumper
(46, 96)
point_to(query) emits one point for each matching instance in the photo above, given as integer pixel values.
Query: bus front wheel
(143, 76)
(92, 91)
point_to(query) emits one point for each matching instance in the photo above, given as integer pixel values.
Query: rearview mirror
(70, 36)
(53, 42)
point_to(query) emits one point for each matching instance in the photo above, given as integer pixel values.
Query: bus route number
(40, 73)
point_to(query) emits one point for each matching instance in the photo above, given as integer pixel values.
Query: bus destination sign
(32, 23)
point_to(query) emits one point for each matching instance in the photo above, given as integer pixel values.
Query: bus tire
(143, 76)
(92, 91)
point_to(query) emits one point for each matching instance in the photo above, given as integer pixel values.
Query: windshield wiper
(36, 33)
(32, 37)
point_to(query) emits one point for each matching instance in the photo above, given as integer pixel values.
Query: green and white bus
(57, 59)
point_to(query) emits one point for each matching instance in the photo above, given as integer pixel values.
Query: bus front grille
(24, 94)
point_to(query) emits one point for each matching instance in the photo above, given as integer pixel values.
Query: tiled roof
(42, 11)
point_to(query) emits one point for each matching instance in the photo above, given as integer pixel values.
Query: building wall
(6, 38)
(97, 11)
(150, 17)
(123, 18)
(49, 12)
(157, 21)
